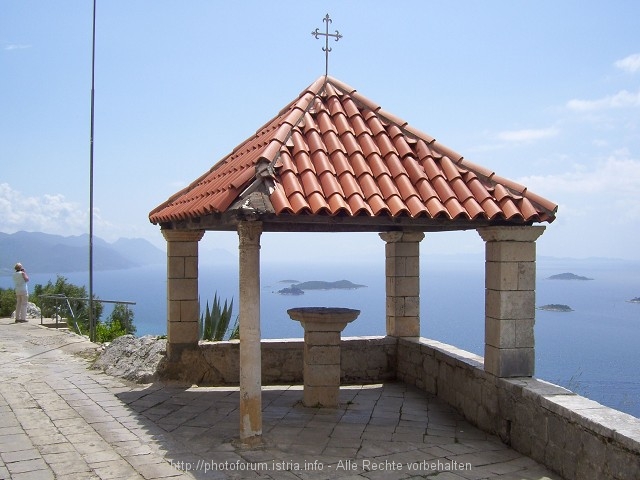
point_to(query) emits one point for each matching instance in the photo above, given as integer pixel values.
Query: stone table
(322, 328)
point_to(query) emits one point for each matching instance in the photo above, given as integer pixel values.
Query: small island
(299, 288)
(568, 276)
(556, 307)
(291, 291)
(635, 300)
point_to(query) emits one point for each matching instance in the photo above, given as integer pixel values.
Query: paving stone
(34, 475)
(26, 466)
(20, 455)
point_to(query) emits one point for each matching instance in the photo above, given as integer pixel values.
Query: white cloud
(14, 46)
(47, 213)
(629, 64)
(527, 135)
(607, 193)
(621, 99)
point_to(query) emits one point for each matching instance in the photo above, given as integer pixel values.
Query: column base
(509, 362)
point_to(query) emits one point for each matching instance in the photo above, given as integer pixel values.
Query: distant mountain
(556, 307)
(322, 285)
(45, 253)
(568, 276)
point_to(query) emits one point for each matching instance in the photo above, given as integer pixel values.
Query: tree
(118, 323)
(7, 302)
(76, 308)
(123, 315)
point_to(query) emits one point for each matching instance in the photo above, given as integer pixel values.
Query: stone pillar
(182, 289)
(250, 359)
(510, 284)
(402, 269)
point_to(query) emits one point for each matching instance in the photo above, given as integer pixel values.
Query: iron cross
(326, 48)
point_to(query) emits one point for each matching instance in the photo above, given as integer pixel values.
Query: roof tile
(378, 205)
(310, 182)
(359, 126)
(369, 186)
(350, 186)
(395, 166)
(322, 163)
(342, 123)
(387, 186)
(303, 163)
(385, 145)
(358, 206)
(350, 143)
(290, 182)
(377, 165)
(341, 163)
(368, 145)
(330, 185)
(332, 142)
(374, 123)
(360, 166)
(416, 206)
(325, 122)
(405, 187)
(337, 204)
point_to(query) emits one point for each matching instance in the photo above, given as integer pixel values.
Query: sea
(592, 350)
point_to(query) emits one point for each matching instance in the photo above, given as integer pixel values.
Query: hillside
(45, 253)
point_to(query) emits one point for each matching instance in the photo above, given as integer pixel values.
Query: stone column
(510, 284)
(182, 289)
(402, 269)
(250, 359)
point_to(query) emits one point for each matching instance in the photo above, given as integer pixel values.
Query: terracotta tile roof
(332, 152)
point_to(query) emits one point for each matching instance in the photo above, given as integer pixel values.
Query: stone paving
(60, 419)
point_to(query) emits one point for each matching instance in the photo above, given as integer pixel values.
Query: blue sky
(546, 93)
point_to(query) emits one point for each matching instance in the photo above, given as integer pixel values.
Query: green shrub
(7, 302)
(118, 323)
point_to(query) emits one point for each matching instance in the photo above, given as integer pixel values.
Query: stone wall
(572, 435)
(363, 360)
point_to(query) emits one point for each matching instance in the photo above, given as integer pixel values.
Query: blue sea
(592, 350)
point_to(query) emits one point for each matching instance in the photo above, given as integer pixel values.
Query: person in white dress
(20, 279)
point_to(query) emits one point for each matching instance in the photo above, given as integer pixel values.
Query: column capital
(249, 233)
(511, 234)
(395, 236)
(182, 235)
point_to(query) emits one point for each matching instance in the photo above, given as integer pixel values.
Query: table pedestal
(322, 328)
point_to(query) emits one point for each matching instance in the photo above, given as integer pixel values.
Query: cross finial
(326, 48)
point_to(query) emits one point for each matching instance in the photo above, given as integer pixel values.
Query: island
(635, 300)
(299, 288)
(568, 276)
(556, 307)
(291, 291)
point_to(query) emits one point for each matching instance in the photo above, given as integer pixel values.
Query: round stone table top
(323, 314)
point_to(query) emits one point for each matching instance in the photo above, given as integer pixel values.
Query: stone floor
(60, 419)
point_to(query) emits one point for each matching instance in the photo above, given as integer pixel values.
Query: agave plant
(215, 322)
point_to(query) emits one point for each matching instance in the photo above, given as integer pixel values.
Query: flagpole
(92, 326)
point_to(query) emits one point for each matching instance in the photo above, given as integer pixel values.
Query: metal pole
(92, 327)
